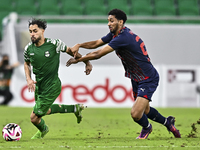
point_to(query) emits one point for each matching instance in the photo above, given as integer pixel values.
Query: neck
(40, 42)
(118, 31)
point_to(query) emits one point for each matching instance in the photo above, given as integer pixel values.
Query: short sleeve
(26, 56)
(118, 42)
(107, 38)
(60, 46)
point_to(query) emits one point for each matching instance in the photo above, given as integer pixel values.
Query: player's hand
(71, 61)
(88, 68)
(74, 50)
(31, 85)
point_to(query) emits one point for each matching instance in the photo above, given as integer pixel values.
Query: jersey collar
(122, 30)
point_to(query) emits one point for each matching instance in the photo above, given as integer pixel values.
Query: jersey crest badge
(47, 54)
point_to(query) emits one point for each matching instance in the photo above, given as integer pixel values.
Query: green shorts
(44, 99)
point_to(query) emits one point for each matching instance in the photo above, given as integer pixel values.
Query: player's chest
(42, 54)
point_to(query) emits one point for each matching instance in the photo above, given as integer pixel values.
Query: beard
(34, 40)
(114, 29)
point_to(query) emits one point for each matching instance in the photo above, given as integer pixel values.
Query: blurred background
(169, 28)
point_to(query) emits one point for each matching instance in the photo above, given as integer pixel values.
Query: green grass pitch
(101, 128)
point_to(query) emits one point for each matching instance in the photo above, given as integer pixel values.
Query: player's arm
(88, 65)
(92, 56)
(87, 45)
(30, 82)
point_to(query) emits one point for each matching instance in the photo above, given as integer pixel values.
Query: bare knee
(34, 119)
(49, 111)
(136, 115)
(140, 107)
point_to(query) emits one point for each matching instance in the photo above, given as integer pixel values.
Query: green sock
(56, 108)
(41, 126)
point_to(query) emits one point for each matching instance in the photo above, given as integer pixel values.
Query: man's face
(35, 33)
(113, 24)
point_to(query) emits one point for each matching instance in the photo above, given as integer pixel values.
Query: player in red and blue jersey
(130, 48)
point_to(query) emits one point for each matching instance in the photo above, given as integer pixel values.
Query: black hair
(41, 23)
(119, 14)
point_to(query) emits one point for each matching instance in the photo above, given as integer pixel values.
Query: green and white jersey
(45, 60)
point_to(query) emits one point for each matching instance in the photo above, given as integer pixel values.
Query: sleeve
(60, 46)
(118, 42)
(107, 38)
(26, 56)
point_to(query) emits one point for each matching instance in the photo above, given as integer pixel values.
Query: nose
(32, 34)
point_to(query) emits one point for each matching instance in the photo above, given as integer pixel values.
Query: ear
(121, 22)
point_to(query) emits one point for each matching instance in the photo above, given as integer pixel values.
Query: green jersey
(45, 60)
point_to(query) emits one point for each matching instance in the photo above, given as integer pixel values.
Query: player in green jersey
(44, 55)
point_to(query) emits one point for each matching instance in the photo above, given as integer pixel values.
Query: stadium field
(102, 128)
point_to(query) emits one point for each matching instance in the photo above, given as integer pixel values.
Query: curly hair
(119, 14)
(41, 23)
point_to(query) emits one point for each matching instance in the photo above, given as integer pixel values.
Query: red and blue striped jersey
(130, 48)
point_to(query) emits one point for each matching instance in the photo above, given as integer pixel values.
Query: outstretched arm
(88, 65)
(91, 56)
(87, 45)
(30, 82)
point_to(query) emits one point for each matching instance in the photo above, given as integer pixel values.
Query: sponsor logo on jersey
(47, 54)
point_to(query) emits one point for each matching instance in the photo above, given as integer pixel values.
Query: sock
(56, 108)
(41, 126)
(156, 116)
(143, 121)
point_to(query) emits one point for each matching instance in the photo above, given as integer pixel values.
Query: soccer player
(44, 55)
(130, 48)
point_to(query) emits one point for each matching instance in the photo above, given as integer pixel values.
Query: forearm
(68, 51)
(78, 55)
(27, 69)
(90, 56)
(89, 45)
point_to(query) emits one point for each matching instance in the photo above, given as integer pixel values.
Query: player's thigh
(43, 104)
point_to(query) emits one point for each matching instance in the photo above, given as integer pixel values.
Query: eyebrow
(32, 30)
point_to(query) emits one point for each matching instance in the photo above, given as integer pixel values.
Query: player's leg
(40, 124)
(138, 115)
(137, 112)
(39, 110)
(154, 115)
(56, 108)
(76, 109)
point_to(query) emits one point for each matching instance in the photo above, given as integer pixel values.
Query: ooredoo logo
(80, 93)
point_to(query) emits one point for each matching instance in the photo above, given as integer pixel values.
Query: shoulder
(107, 38)
(27, 46)
(126, 36)
(51, 41)
(55, 42)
